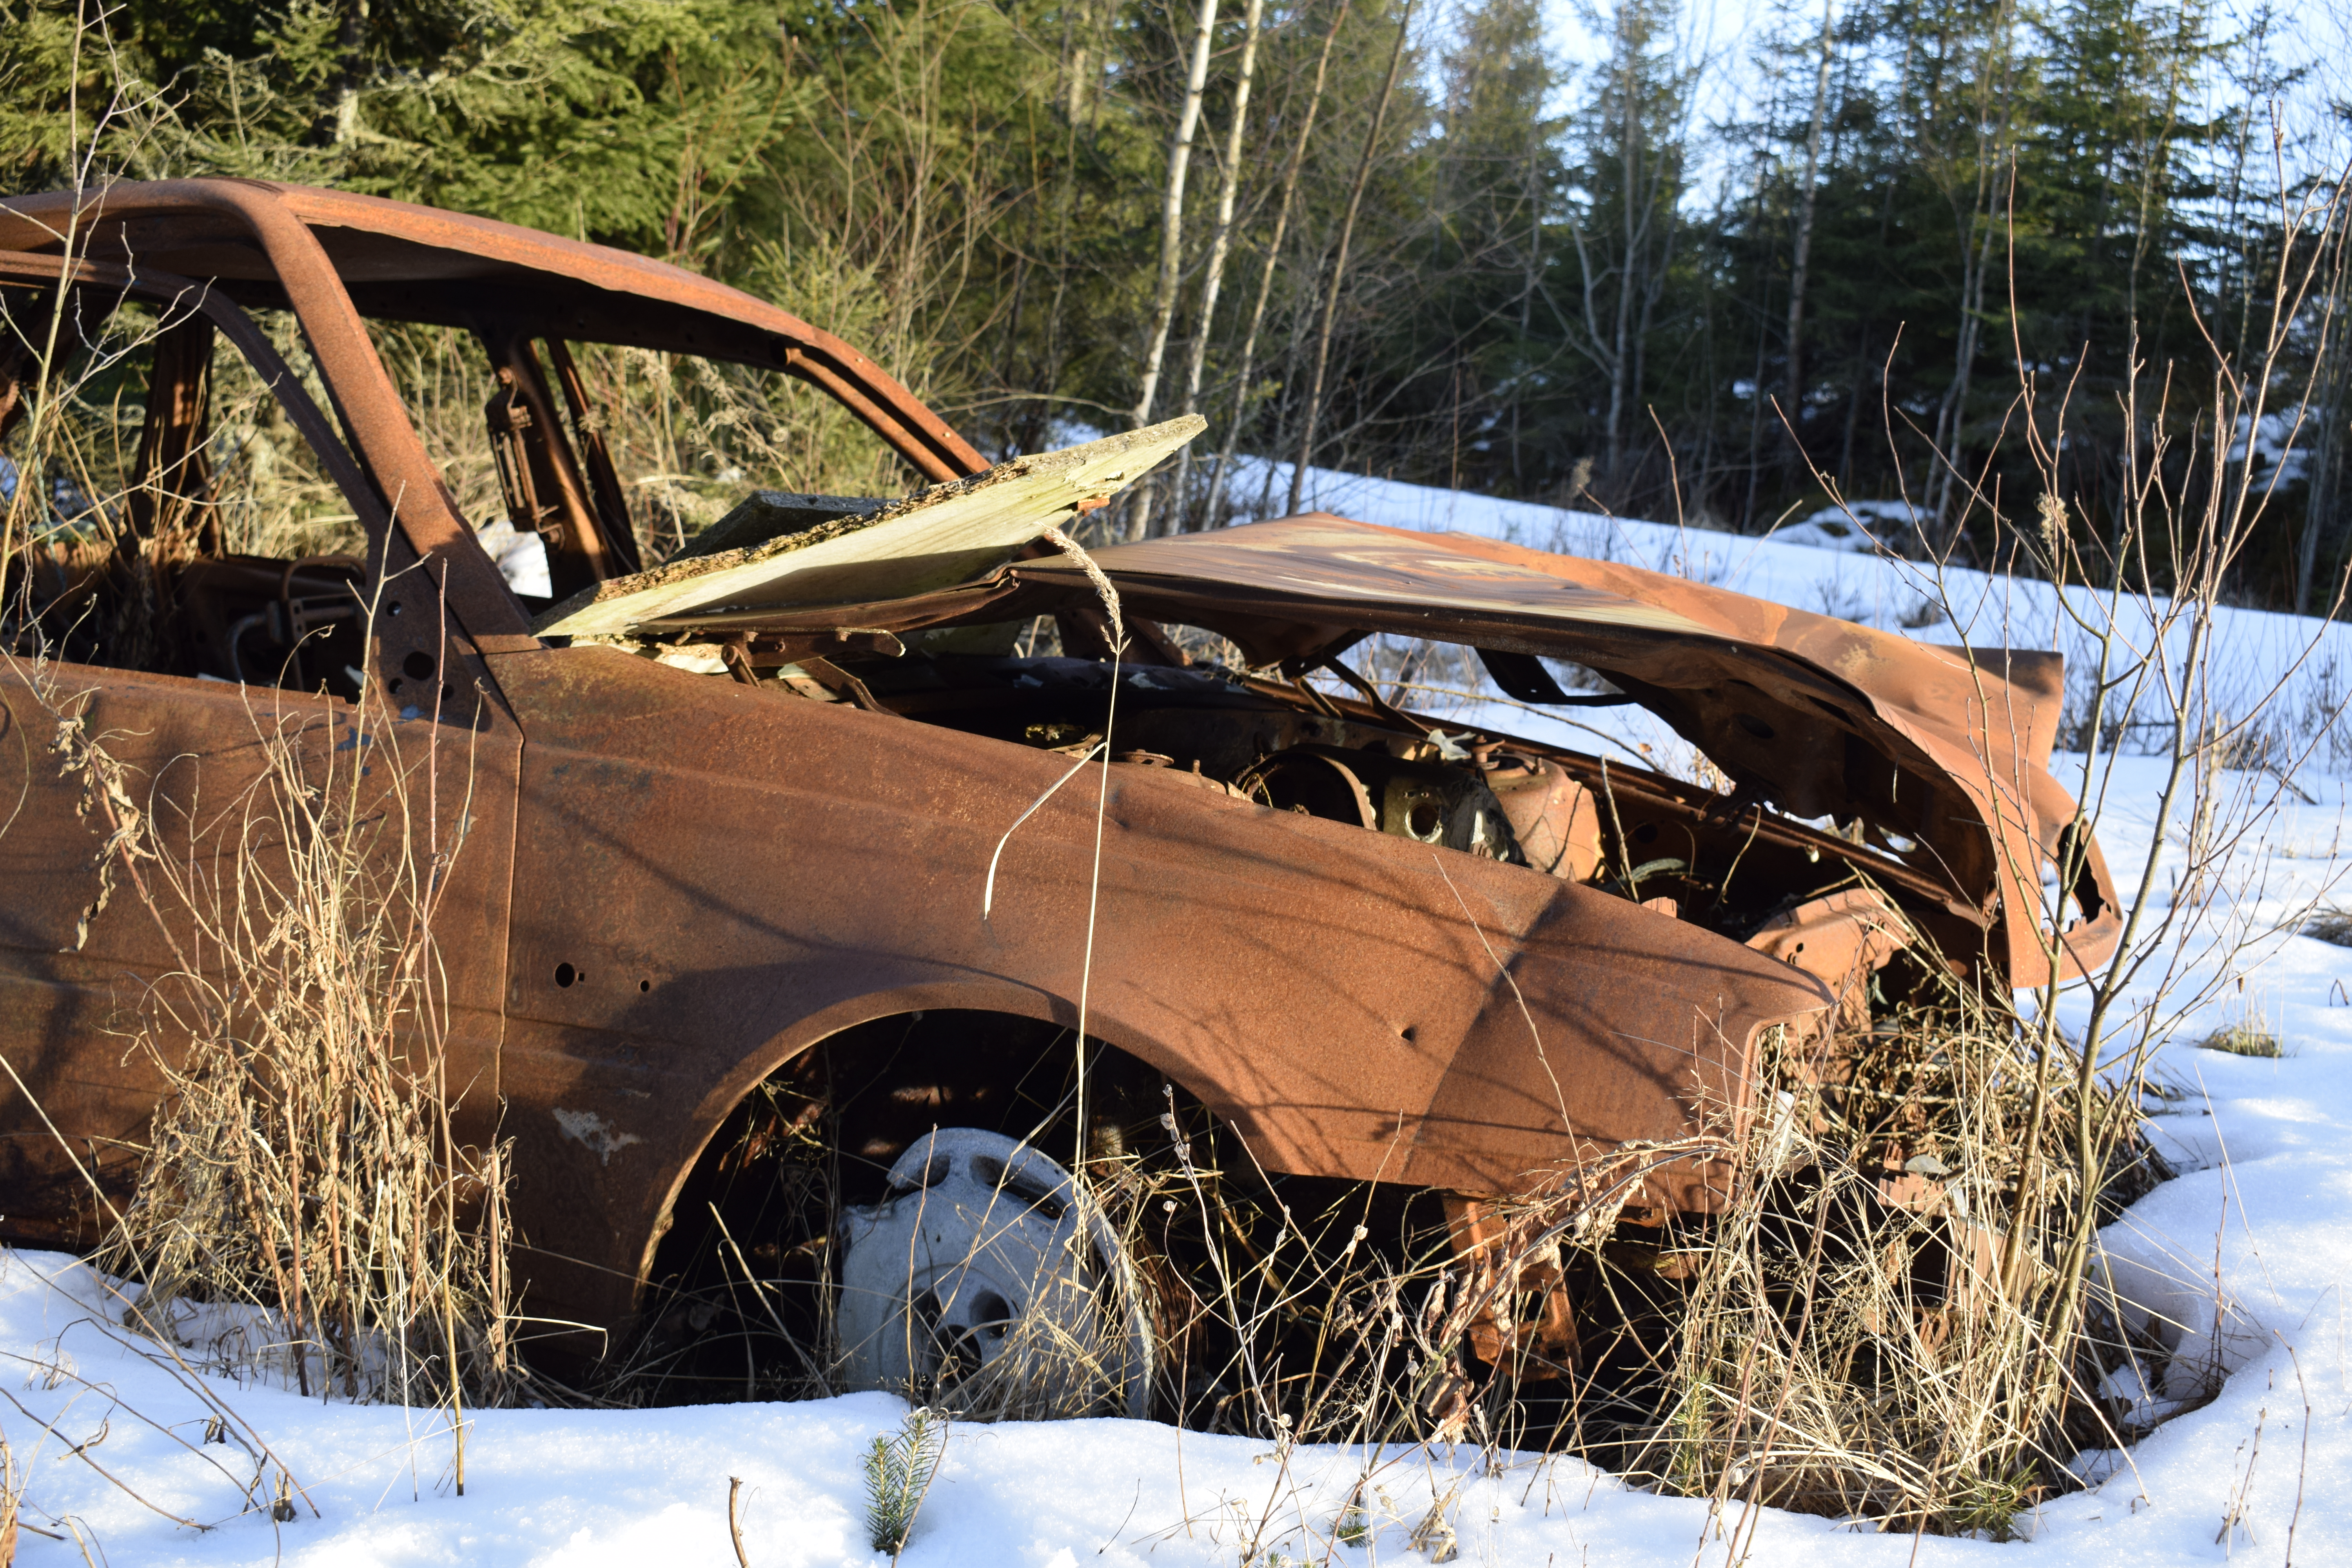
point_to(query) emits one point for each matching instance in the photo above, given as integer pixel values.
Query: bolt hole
(565, 974)
(392, 685)
(645, 985)
(418, 665)
(1647, 833)
(392, 608)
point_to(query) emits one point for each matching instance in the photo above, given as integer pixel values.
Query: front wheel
(988, 1282)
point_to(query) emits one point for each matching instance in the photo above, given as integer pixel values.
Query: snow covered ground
(2259, 1220)
(1823, 563)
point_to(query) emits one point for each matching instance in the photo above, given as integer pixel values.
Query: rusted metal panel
(1823, 716)
(450, 264)
(719, 878)
(192, 753)
(947, 535)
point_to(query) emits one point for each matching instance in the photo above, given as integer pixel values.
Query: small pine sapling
(899, 1472)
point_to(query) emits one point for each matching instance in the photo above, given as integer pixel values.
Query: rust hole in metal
(1754, 726)
(565, 974)
(1647, 833)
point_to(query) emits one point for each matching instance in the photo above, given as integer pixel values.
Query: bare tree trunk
(1340, 263)
(1763, 334)
(1800, 252)
(1171, 244)
(1639, 256)
(2332, 368)
(1951, 413)
(1991, 149)
(1272, 260)
(1213, 279)
(1641, 207)
(1532, 276)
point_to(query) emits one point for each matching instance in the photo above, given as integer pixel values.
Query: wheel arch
(729, 1092)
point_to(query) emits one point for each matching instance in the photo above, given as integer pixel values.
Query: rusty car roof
(337, 261)
(400, 261)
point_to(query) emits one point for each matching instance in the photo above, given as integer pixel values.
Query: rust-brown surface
(673, 884)
(192, 755)
(1822, 717)
(1330, 990)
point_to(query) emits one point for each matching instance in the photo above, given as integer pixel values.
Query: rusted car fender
(1357, 1005)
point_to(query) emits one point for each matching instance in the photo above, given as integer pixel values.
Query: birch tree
(1221, 240)
(1171, 247)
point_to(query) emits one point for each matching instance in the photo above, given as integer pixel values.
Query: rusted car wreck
(753, 801)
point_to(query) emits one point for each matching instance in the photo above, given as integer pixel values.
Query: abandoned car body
(710, 814)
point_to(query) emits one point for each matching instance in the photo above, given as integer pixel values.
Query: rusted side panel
(722, 876)
(192, 753)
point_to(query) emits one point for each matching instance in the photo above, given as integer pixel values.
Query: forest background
(1403, 237)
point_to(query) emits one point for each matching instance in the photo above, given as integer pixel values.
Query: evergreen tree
(1934, 209)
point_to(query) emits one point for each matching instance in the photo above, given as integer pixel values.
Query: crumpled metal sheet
(1942, 747)
(949, 534)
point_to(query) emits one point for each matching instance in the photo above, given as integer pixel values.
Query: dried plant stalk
(306, 1209)
(1848, 1345)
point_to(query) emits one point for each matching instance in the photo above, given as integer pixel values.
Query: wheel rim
(989, 1280)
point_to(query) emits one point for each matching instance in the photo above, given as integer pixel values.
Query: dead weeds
(305, 1211)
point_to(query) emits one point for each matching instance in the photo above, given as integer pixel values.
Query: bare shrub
(1900, 1317)
(1864, 1332)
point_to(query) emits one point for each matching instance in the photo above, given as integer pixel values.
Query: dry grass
(2332, 925)
(305, 1211)
(1877, 1327)
(2246, 1037)
(1847, 1347)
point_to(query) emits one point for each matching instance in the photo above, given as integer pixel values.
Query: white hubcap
(987, 1281)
